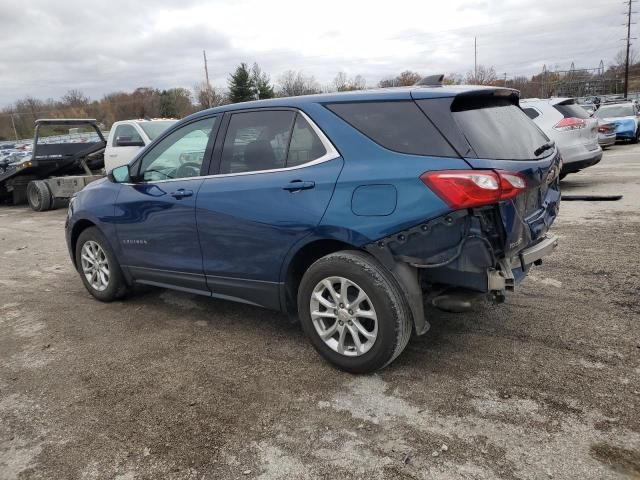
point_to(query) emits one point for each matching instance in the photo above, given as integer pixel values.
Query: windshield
(155, 128)
(615, 111)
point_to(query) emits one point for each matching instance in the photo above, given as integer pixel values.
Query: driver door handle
(181, 193)
(297, 185)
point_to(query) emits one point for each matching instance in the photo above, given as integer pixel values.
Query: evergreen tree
(261, 85)
(240, 85)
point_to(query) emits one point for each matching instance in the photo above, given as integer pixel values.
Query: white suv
(570, 126)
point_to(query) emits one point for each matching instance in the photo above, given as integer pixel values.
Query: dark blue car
(348, 211)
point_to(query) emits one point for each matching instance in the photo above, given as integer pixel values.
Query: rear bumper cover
(540, 250)
(574, 167)
(607, 140)
(460, 251)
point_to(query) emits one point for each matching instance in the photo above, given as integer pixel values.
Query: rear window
(569, 110)
(397, 125)
(499, 130)
(610, 111)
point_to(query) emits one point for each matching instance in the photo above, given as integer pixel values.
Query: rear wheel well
(78, 228)
(302, 260)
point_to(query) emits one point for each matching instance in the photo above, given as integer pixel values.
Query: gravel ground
(170, 385)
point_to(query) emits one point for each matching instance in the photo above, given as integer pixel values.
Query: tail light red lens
(473, 188)
(570, 123)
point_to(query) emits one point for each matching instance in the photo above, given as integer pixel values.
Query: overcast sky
(99, 47)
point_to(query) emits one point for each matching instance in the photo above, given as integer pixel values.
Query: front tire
(354, 312)
(99, 270)
(637, 136)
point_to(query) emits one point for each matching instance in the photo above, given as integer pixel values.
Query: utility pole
(475, 59)
(206, 75)
(626, 63)
(505, 79)
(15, 132)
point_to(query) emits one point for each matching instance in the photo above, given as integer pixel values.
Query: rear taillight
(473, 188)
(605, 129)
(570, 123)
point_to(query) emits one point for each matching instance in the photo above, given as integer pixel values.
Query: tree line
(247, 83)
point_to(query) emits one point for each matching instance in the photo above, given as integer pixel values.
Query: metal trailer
(55, 171)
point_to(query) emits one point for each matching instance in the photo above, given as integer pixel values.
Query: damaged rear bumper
(462, 251)
(504, 278)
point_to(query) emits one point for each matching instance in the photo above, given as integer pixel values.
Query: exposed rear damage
(475, 252)
(458, 257)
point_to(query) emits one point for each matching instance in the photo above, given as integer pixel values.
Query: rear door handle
(181, 193)
(297, 185)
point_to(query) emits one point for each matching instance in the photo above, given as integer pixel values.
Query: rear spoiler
(486, 97)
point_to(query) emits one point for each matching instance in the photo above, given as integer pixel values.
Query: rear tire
(637, 137)
(98, 267)
(39, 196)
(363, 328)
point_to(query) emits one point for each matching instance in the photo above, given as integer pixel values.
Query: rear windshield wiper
(543, 148)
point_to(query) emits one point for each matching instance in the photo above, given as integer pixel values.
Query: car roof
(146, 120)
(379, 94)
(615, 104)
(550, 101)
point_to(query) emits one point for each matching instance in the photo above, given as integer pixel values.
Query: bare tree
(75, 98)
(207, 96)
(292, 84)
(453, 79)
(405, 79)
(483, 76)
(342, 83)
(621, 58)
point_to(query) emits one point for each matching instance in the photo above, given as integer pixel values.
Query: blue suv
(350, 211)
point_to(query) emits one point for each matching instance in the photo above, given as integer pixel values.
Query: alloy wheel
(95, 265)
(344, 317)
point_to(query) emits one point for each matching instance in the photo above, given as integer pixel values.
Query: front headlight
(72, 200)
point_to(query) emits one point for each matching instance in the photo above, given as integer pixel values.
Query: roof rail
(430, 81)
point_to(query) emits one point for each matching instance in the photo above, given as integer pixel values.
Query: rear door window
(257, 141)
(499, 130)
(396, 125)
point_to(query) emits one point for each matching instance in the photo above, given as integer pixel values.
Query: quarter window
(180, 154)
(257, 141)
(305, 145)
(531, 113)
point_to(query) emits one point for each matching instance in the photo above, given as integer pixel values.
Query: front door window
(180, 155)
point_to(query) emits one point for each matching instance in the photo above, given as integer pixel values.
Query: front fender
(95, 204)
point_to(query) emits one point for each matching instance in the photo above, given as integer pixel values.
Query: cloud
(98, 48)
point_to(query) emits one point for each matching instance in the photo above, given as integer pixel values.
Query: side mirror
(128, 142)
(120, 174)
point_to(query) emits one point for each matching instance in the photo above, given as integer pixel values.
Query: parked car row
(348, 211)
(625, 118)
(571, 127)
(582, 133)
